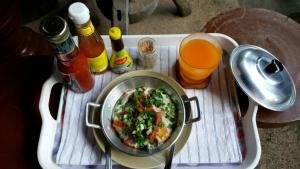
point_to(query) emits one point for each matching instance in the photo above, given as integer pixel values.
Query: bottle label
(66, 47)
(76, 73)
(121, 61)
(87, 30)
(71, 82)
(99, 63)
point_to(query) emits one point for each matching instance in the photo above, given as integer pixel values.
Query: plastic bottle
(71, 62)
(120, 61)
(90, 42)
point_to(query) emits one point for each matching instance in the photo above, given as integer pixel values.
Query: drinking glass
(199, 56)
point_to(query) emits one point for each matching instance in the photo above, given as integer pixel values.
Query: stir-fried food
(144, 117)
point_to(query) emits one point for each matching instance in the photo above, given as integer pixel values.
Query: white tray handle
(251, 137)
(44, 99)
(49, 124)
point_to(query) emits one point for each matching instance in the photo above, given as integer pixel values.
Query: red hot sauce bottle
(71, 63)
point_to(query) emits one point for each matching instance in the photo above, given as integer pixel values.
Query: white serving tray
(49, 125)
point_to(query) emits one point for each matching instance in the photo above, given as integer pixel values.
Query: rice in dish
(144, 118)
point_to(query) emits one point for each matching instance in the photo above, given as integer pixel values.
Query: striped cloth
(213, 141)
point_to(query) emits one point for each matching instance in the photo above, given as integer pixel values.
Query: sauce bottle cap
(115, 33)
(79, 13)
(55, 29)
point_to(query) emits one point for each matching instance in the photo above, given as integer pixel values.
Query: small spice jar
(147, 48)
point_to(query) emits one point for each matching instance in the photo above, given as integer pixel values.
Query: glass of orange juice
(199, 56)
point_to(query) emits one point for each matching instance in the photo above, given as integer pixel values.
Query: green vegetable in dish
(144, 117)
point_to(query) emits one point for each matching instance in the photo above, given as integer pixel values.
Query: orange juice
(199, 56)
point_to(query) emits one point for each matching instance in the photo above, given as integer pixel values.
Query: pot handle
(198, 118)
(87, 110)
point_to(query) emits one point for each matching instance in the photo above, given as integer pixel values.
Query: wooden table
(276, 33)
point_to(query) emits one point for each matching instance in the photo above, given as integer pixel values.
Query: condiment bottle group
(70, 61)
(89, 41)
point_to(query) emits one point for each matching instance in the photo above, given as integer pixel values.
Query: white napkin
(213, 140)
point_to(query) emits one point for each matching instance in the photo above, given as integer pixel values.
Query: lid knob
(274, 67)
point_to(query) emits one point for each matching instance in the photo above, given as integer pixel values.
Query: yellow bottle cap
(115, 33)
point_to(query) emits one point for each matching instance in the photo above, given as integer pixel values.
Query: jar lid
(115, 33)
(79, 13)
(263, 77)
(55, 29)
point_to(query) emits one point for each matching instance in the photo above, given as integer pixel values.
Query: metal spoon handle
(170, 157)
(108, 157)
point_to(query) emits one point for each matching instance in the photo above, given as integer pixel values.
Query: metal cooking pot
(117, 91)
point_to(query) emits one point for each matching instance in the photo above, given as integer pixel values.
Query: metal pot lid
(262, 77)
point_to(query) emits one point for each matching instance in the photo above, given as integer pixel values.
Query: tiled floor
(280, 147)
